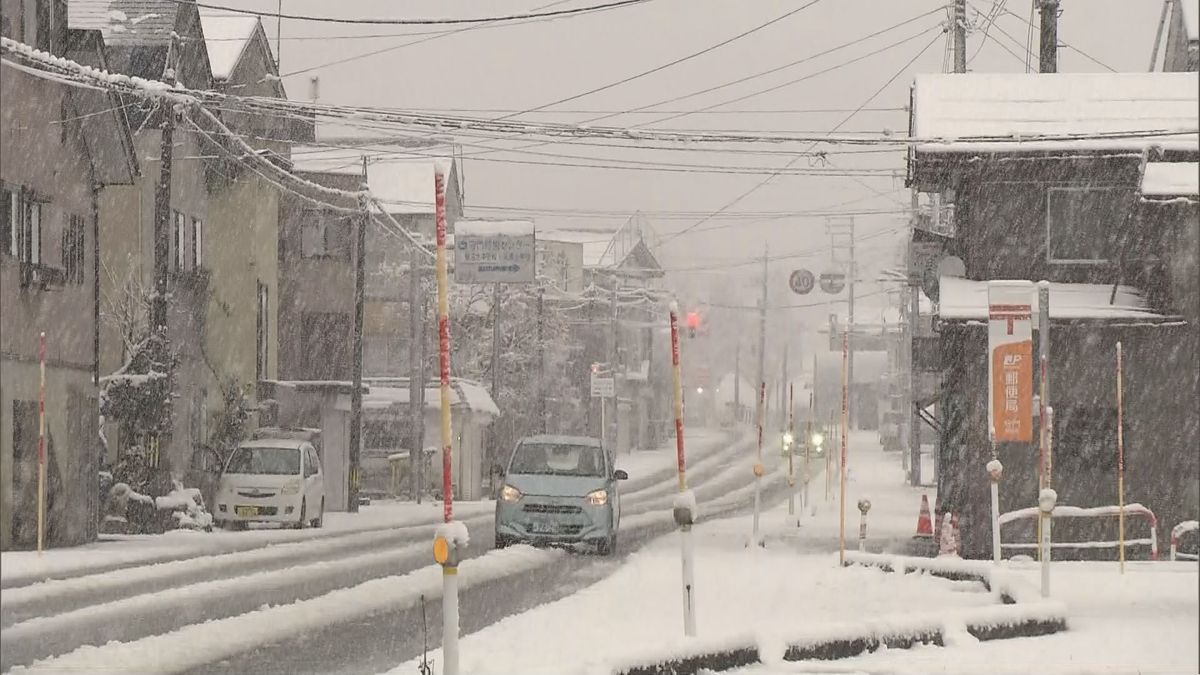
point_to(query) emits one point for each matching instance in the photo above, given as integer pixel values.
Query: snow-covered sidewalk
(1145, 621)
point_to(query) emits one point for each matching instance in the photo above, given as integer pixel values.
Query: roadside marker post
(445, 548)
(684, 510)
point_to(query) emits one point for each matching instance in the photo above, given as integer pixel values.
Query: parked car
(272, 480)
(559, 490)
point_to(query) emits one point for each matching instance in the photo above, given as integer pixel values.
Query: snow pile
(684, 506)
(188, 507)
(1171, 179)
(454, 532)
(740, 592)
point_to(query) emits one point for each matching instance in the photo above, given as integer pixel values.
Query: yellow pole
(842, 463)
(41, 490)
(1120, 466)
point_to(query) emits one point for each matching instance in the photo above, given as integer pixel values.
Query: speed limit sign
(801, 282)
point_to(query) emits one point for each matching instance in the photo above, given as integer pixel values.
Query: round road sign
(801, 282)
(833, 282)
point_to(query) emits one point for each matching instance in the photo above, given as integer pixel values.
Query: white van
(272, 480)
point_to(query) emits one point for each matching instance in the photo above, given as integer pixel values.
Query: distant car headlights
(597, 498)
(510, 494)
(291, 488)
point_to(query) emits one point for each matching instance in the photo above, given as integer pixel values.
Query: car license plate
(247, 511)
(543, 527)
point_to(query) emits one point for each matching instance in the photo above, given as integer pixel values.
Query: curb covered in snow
(1022, 614)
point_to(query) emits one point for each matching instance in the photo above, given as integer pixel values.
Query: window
(22, 225)
(197, 243)
(73, 255)
(1081, 223)
(263, 332)
(180, 259)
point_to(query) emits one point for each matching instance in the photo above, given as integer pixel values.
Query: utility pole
(852, 410)
(541, 337)
(960, 36)
(616, 360)
(785, 400)
(356, 367)
(762, 338)
(162, 206)
(914, 424)
(416, 373)
(1048, 52)
(496, 341)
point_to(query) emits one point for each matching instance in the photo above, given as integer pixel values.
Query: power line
(1063, 43)
(754, 76)
(432, 36)
(797, 80)
(768, 179)
(677, 114)
(669, 64)
(417, 22)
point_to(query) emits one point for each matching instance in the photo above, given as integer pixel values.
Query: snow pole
(790, 440)
(758, 458)
(842, 462)
(995, 470)
(41, 489)
(1120, 465)
(445, 552)
(685, 507)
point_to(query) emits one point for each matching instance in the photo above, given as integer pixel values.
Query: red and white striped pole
(41, 494)
(449, 542)
(685, 504)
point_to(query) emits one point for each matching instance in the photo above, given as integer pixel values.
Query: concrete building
(62, 150)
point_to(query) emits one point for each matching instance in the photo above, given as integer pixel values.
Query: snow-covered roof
(481, 227)
(124, 21)
(462, 393)
(403, 184)
(989, 105)
(226, 36)
(1191, 18)
(964, 299)
(1171, 179)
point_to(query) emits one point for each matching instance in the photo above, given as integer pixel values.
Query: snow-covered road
(222, 581)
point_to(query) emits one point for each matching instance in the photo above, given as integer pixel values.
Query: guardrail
(1178, 531)
(1136, 510)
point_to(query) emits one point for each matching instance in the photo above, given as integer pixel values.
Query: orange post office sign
(1010, 362)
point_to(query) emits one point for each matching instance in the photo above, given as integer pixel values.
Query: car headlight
(510, 494)
(291, 487)
(597, 498)
(817, 440)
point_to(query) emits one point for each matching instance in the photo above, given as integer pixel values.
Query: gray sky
(523, 66)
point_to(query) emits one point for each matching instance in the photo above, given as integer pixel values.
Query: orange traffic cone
(924, 524)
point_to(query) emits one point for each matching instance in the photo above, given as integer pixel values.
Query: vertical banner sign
(1010, 360)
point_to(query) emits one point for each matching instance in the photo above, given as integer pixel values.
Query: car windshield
(270, 461)
(558, 459)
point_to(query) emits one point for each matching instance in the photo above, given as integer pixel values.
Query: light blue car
(559, 490)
